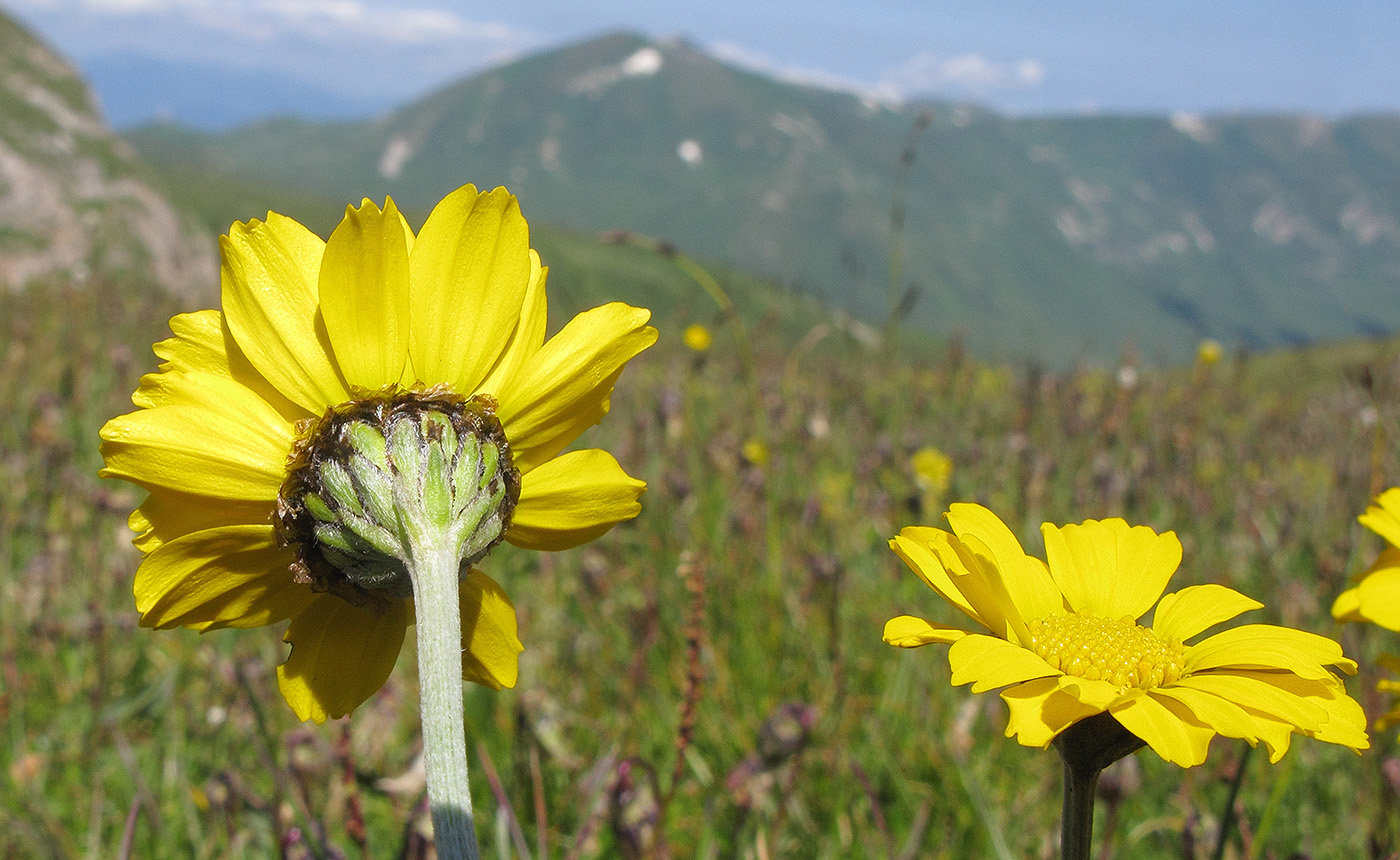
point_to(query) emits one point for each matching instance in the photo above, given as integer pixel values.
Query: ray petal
(573, 499)
(468, 274)
(1040, 710)
(211, 436)
(230, 576)
(1108, 568)
(490, 646)
(564, 388)
(988, 662)
(907, 631)
(1168, 726)
(363, 288)
(1182, 614)
(341, 655)
(270, 281)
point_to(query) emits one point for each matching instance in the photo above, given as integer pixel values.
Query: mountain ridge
(1054, 236)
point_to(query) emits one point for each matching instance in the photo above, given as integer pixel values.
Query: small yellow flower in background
(1209, 352)
(239, 437)
(755, 451)
(1065, 640)
(697, 337)
(1376, 595)
(933, 470)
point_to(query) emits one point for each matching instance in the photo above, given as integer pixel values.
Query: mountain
(137, 89)
(74, 199)
(1058, 237)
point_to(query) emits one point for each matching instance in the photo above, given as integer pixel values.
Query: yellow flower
(755, 451)
(1209, 352)
(932, 470)
(1066, 642)
(697, 337)
(311, 329)
(1376, 596)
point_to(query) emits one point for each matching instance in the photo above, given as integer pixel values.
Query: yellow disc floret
(1103, 649)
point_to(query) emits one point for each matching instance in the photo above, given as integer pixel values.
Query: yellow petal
(1098, 694)
(1346, 721)
(341, 655)
(1378, 595)
(988, 662)
(203, 344)
(468, 273)
(1383, 516)
(168, 514)
(1182, 614)
(906, 631)
(564, 388)
(1269, 647)
(233, 576)
(1027, 579)
(913, 545)
(1229, 719)
(211, 437)
(1347, 606)
(975, 574)
(529, 333)
(1108, 568)
(1265, 696)
(573, 499)
(198, 344)
(363, 288)
(1168, 726)
(1040, 710)
(270, 281)
(490, 646)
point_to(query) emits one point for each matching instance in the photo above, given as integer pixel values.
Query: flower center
(377, 476)
(1102, 649)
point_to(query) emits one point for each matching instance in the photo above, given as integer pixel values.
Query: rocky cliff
(73, 200)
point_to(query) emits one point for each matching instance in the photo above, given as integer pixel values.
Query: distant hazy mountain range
(1057, 237)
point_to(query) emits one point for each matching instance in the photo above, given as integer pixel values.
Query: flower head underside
(441, 333)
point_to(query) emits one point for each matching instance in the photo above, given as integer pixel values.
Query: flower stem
(1087, 747)
(434, 571)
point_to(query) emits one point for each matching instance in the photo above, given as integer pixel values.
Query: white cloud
(739, 55)
(968, 74)
(320, 20)
(964, 74)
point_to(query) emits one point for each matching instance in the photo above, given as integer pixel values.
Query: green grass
(1260, 467)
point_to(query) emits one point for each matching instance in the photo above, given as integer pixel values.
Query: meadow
(708, 681)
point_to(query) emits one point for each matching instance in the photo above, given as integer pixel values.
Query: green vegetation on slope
(1057, 238)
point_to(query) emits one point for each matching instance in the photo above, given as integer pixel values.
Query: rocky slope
(73, 202)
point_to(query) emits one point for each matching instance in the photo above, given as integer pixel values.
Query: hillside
(74, 201)
(1056, 237)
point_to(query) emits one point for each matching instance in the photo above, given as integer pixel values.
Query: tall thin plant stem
(1086, 748)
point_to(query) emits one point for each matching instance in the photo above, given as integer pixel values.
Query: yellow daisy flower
(1065, 640)
(1376, 596)
(233, 436)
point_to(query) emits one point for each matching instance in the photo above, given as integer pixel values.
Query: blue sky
(1330, 58)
